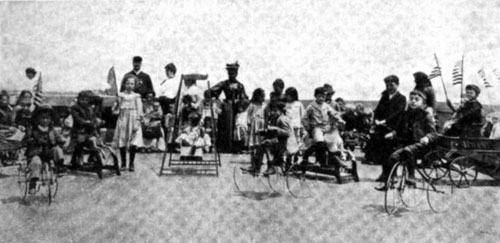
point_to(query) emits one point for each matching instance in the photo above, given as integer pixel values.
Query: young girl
(295, 110)
(256, 116)
(128, 127)
(241, 126)
(153, 138)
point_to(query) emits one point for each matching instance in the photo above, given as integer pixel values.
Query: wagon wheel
(435, 165)
(462, 172)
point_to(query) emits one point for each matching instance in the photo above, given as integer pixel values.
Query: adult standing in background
(234, 91)
(168, 88)
(424, 85)
(144, 84)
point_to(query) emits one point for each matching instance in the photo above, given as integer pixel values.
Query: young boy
(278, 87)
(467, 114)
(316, 121)
(5, 109)
(280, 138)
(414, 124)
(43, 144)
(85, 127)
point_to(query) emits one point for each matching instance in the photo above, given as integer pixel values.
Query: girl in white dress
(128, 127)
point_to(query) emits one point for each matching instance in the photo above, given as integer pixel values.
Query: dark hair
(319, 90)
(20, 97)
(328, 89)
(194, 117)
(257, 93)
(85, 94)
(187, 99)
(392, 79)
(474, 88)
(421, 81)
(171, 67)
(292, 92)
(4, 93)
(339, 100)
(279, 82)
(243, 104)
(137, 59)
(420, 94)
(279, 105)
(156, 99)
(30, 70)
(150, 91)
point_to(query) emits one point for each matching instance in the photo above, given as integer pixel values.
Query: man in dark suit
(144, 83)
(386, 115)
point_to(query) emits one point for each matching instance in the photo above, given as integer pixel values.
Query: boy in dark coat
(467, 114)
(85, 123)
(414, 124)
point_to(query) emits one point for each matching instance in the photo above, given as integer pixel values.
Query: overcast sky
(350, 44)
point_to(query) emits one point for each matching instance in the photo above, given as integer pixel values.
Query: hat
(137, 59)
(43, 110)
(232, 66)
(473, 87)
(328, 89)
(392, 79)
(419, 93)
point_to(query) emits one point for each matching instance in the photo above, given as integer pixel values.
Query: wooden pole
(441, 75)
(462, 83)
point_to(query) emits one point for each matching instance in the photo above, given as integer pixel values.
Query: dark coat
(143, 86)
(81, 118)
(232, 90)
(390, 109)
(468, 114)
(40, 143)
(413, 125)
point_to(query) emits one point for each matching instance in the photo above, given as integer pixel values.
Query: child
(152, 131)
(43, 145)
(22, 117)
(128, 131)
(241, 126)
(414, 124)
(5, 109)
(193, 139)
(280, 140)
(278, 87)
(495, 130)
(466, 115)
(295, 110)
(316, 120)
(169, 127)
(85, 131)
(256, 116)
(206, 111)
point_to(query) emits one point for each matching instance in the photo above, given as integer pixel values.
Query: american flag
(482, 74)
(457, 73)
(436, 72)
(38, 100)
(112, 82)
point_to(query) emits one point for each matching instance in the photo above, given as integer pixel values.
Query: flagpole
(441, 75)
(462, 83)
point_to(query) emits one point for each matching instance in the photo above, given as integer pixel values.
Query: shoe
(382, 187)
(249, 169)
(411, 181)
(32, 186)
(270, 171)
(131, 169)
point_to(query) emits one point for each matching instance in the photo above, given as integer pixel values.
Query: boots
(123, 156)
(132, 158)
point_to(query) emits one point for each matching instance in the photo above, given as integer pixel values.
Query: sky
(350, 44)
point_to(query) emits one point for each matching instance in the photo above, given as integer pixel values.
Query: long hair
(20, 96)
(293, 93)
(422, 81)
(257, 93)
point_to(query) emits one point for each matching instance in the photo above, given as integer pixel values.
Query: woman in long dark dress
(234, 92)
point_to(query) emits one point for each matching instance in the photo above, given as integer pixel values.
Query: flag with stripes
(38, 100)
(112, 82)
(482, 74)
(436, 72)
(457, 75)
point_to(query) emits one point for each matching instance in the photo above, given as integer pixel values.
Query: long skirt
(128, 130)
(226, 127)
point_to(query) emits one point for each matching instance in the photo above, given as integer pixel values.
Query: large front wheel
(395, 185)
(297, 183)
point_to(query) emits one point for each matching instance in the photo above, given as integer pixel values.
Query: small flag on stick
(457, 75)
(436, 72)
(38, 100)
(482, 74)
(112, 82)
